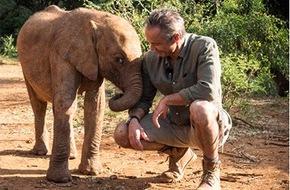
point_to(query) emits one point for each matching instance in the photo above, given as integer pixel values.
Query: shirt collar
(185, 46)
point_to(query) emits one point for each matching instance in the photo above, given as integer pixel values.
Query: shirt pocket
(188, 80)
(163, 87)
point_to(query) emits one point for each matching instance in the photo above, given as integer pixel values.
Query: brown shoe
(210, 179)
(179, 158)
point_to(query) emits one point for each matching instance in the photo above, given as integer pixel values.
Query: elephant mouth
(121, 101)
(117, 95)
(125, 99)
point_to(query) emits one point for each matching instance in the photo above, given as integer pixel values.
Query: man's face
(159, 43)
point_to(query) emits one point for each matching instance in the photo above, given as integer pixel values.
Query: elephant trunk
(132, 94)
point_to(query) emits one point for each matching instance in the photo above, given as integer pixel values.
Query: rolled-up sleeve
(207, 86)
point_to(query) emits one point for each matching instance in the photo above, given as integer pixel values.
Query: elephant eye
(119, 60)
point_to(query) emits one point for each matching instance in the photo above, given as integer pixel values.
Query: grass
(111, 119)
(8, 61)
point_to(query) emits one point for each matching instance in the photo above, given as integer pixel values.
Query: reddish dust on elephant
(256, 156)
(63, 53)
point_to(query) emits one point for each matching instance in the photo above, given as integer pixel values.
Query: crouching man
(185, 68)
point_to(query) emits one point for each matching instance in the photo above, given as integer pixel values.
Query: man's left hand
(161, 109)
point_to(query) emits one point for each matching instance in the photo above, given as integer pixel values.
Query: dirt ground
(256, 157)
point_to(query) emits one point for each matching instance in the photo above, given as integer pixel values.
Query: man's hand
(161, 109)
(136, 133)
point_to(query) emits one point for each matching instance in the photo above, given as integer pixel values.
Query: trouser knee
(121, 134)
(202, 113)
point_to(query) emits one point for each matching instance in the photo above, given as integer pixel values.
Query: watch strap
(132, 117)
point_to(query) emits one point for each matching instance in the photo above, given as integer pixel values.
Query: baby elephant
(63, 53)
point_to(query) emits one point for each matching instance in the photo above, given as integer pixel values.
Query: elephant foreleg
(41, 145)
(58, 168)
(65, 84)
(94, 107)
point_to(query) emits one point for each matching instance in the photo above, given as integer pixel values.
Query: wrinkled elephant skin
(63, 53)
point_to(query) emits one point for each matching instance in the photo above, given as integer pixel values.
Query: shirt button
(173, 82)
(176, 113)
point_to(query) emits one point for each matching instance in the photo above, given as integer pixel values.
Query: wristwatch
(132, 117)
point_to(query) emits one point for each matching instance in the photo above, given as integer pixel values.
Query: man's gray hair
(169, 21)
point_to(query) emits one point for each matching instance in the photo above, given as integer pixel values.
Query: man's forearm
(137, 112)
(170, 100)
(174, 100)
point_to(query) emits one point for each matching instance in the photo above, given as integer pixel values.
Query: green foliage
(9, 49)
(242, 77)
(135, 11)
(12, 18)
(247, 36)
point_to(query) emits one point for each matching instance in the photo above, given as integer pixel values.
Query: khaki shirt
(195, 76)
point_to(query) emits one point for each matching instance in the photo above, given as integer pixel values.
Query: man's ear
(177, 36)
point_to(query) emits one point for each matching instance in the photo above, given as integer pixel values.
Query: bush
(8, 48)
(247, 38)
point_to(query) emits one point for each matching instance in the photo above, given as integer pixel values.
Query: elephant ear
(76, 43)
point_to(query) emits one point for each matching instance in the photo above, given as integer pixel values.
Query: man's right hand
(136, 134)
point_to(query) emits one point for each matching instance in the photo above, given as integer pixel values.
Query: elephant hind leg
(41, 145)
